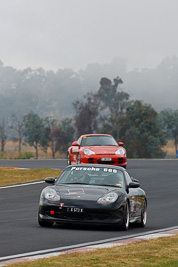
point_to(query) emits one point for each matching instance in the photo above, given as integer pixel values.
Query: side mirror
(120, 143)
(134, 185)
(135, 180)
(50, 180)
(75, 143)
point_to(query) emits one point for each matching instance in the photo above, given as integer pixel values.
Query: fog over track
(19, 229)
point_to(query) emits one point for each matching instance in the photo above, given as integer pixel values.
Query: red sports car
(97, 149)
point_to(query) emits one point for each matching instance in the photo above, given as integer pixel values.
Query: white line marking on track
(153, 236)
(87, 246)
(19, 185)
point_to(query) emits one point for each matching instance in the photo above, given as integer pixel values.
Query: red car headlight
(88, 152)
(120, 151)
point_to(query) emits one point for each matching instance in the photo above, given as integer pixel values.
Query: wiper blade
(95, 145)
(80, 183)
(118, 186)
(111, 145)
(91, 184)
(71, 183)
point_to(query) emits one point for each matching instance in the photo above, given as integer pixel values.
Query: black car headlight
(108, 198)
(50, 194)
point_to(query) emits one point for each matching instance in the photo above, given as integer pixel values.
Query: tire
(126, 217)
(143, 215)
(79, 159)
(68, 160)
(44, 223)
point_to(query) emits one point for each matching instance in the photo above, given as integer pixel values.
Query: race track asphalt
(20, 233)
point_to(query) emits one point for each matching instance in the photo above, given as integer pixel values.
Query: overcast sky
(57, 34)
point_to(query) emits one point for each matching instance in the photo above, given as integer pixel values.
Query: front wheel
(44, 223)
(68, 159)
(79, 159)
(143, 214)
(126, 217)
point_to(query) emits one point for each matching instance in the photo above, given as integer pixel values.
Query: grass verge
(161, 252)
(9, 175)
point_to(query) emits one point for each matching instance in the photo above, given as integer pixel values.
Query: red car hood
(103, 150)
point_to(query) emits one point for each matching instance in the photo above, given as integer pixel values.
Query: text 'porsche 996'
(97, 149)
(93, 194)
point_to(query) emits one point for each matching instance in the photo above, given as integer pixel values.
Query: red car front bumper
(105, 159)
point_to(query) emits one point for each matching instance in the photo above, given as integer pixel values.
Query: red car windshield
(100, 140)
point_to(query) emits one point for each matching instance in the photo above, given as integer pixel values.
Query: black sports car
(94, 194)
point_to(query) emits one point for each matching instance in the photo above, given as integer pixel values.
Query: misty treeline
(109, 110)
(50, 93)
(143, 130)
(65, 104)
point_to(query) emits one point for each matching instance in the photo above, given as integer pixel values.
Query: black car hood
(85, 192)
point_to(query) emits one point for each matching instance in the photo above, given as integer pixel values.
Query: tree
(86, 116)
(36, 131)
(142, 131)
(114, 104)
(54, 136)
(169, 122)
(108, 91)
(3, 136)
(66, 135)
(68, 131)
(17, 124)
(61, 134)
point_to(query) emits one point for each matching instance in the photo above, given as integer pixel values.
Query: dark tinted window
(128, 178)
(98, 141)
(92, 175)
(79, 140)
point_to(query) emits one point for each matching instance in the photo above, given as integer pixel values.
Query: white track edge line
(62, 249)
(19, 185)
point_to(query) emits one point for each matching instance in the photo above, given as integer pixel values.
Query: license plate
(106, 159)
(76, 210)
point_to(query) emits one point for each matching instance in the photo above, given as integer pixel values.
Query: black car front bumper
(83, 215)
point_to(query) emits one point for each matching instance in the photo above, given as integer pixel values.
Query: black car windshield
(92, 176)
(98, 140)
